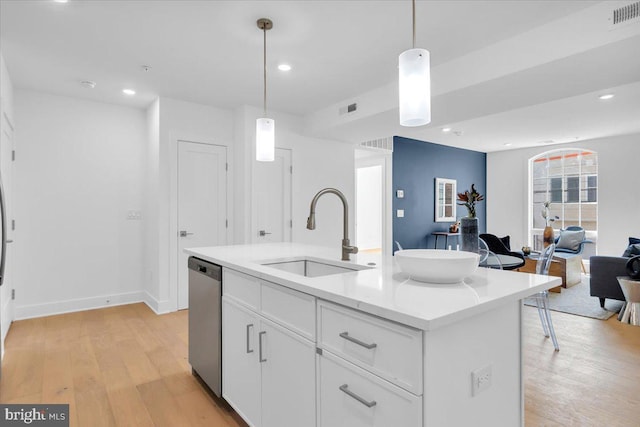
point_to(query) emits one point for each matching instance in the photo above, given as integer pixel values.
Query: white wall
(79, 170)
(151, 228)
(369, 206)
(6, 89)
(618, 203)
(178, 120)
(317, 164)
(83, 165)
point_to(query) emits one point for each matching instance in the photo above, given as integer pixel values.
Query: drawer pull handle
(260, 334)
(346, 336)
(249, 349)
(345, 389)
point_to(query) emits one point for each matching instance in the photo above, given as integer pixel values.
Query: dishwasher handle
(203, 267)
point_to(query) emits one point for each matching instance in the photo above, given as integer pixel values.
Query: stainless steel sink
(308, 267)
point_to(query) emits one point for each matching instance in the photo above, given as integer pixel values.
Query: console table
(568, 268)
(446, 235)
(631, 291)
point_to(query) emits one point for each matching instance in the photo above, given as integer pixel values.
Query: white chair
(542, 298)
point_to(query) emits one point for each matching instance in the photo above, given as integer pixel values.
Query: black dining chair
(498, 246)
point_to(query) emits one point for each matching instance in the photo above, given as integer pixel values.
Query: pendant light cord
(264, 30)
(414, 24)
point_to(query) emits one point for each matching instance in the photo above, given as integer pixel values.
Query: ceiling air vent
(385, 144)
(625, 14)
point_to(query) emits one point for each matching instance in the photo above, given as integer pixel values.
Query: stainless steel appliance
(205, 322)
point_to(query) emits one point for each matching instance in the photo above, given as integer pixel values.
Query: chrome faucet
(311, 221)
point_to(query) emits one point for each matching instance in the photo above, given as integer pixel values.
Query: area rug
(576, 300)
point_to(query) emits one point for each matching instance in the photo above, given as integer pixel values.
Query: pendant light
(414, 83)
(265, 127)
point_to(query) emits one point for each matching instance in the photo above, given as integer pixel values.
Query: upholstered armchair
(571, 240)
(605, 270)
(501, 246)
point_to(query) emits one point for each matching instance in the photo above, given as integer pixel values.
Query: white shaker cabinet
(240, 367)
(288, 378)
(353, 397)
(268, 371)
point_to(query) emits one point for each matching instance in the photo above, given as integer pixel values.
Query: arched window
(568, 178)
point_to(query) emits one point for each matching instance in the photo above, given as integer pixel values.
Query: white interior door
(202, 203)
(272, 199)
(6, 172)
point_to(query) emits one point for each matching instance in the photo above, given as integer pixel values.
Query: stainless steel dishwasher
(205, 322)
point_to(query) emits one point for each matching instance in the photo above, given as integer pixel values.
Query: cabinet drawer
(386, 348)
(242, 287)
(353, 397)
(292, 309)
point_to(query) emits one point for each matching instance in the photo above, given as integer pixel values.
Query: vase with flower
(469, 224)
(547, 233)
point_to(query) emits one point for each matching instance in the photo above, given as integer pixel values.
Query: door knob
(262, 233)
(183, 233)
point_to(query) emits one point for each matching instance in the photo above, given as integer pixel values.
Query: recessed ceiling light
(88, 84)
(446, 130)
(60, 1)
(128, 91)
(284, 67)
(606, 96)
(508, 144)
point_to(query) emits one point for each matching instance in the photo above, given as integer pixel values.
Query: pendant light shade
(415, 87)
(265, 127)
(414, 83)
(265, 140)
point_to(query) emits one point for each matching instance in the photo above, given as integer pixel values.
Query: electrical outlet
(400, 213)
(480, 380)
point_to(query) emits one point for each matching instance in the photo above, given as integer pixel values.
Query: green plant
(469, 199)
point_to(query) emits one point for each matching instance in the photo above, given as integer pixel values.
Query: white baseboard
(159, 307)
(81, 304)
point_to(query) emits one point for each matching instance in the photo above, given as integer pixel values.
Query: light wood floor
(127, 366)
(119, 366)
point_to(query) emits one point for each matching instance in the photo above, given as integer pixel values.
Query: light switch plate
(400, 213)
(400, 194)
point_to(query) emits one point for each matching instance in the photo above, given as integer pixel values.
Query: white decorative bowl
(437, 265)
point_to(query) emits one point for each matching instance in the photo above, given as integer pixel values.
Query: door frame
(383, 158)
(173, 210)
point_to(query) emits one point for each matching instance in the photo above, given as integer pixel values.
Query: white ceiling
(210, 52)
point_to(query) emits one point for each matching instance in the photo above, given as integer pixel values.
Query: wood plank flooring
(119, 366)
(126, 366)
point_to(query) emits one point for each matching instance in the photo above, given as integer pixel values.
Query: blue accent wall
(416, 165)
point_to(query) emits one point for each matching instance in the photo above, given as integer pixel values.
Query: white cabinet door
(240, 366)
(353, 397)
(288, 378)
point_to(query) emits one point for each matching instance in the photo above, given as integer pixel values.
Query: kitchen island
(367, 347)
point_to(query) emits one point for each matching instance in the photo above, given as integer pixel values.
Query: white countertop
(384, 290)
